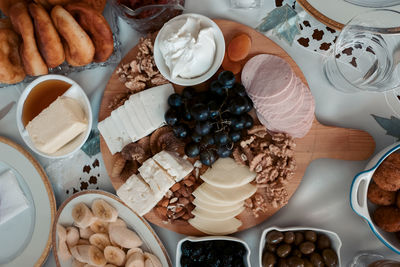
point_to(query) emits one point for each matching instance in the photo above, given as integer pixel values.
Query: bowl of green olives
(299, 247)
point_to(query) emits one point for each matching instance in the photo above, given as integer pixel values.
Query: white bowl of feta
(63, 126)
(189, 49)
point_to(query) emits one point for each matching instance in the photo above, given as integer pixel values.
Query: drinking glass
(366, 54)
(374, 3)
(369, 259)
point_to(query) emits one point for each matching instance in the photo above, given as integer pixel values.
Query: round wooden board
(321, 141)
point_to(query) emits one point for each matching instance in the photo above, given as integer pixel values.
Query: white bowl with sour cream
(189, 49)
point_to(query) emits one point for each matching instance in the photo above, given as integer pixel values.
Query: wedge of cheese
(213, 215)
(212, 207)
(137, 195)
(227, 195)
(226, 173)
(200, 195)
(210, 227)
(173, 164)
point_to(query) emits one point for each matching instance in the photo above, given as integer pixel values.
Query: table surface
(322, 200)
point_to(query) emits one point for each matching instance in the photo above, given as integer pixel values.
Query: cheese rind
(58, 124)
(224, 227)
(171, 162)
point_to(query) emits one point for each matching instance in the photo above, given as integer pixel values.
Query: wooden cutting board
(321, 142)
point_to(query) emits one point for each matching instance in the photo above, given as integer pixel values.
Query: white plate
(151, 242)
(28, 235)
(335, 13)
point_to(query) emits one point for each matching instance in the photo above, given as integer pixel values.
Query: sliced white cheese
(228, 195)
(155, 101)
(138, 195)
(143, 117)
(113, 139)
(226, 173)
(158, 180)
(201, 196)
(119, 126)
(124, 118)
(212, 207)
(135, 119)
(176, 166)
(209, 227)
(216, 215)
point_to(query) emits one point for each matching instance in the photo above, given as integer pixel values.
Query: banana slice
(124, 237)
(136, 259)
(82, 215)
(76, 263)
(104, 211)
(118, 222)
(83, 242)
(110, 265)
(85, 233)
(99, 226)
(61, 232)
(72, 236)
(133, 250)
(63, 251)
(114, 255)
(89, 254)
(151, 260)
(99, 240)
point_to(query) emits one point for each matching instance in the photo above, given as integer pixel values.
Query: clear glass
(370, 259)
(366, 54)
(374, 3)
(245, 4)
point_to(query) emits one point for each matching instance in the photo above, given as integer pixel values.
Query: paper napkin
(12, 199)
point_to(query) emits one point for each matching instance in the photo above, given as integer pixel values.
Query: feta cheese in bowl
(189, 49)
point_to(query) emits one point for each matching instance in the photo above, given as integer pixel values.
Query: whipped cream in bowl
(189, 49)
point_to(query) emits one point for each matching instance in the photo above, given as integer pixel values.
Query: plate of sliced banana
(95, 228)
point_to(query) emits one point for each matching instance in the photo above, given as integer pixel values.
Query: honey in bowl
(41, 96)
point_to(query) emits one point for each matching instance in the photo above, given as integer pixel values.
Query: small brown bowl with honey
(54, 116)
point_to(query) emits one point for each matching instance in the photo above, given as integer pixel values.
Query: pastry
(387, 176)
(11, 70)
(98, 5)
(32, 60)
(96, 27)
(5, 23)
(6, 4)
(47, 38)
(380, 197)
(78, 47)
(387, 218)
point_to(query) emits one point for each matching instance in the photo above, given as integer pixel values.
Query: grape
(192, 150)
(171, 117)
(224, 151)
(237, 105)
(249, 104)
(217, 88)
(188, 92)
(199, 112)
(235, 136)
(237, 123)
(196, 137)
(186, 114)
(180, 130)
(238, 89)
(248, 121)
(227, 78)
(213, 109)
(202, 97)
(203, 127)
(208, 157)
(221, 138)
(175, 100)
(207, 140)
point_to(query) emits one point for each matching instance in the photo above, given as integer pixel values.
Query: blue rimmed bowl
(364, 208)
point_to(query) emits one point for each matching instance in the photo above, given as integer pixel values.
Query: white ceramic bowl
(336, 243)
(219, 53)
(151, 242)
(364, 208)
(211, 238)
(75, 91)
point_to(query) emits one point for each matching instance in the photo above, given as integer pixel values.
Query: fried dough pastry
(5, 23)
(32, 60)
(387, 218)
(387, 176)
(96, 27)
(78, 47)
(11, 70)
(98, 5)
(47, 38)
(6, 4)
(380, 197)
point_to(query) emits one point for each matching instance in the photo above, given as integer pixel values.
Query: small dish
(76, 92)
(364, 208)
(151, 242)
(336, 243)
(210, 238)
(219, 53)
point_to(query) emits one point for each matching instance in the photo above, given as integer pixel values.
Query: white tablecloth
(322, 200)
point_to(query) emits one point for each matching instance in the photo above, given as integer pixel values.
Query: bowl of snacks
(212, 251)
(189, 49)
(299, 246)
(375, 196)
(54, 116)
(96, 228)
(148, 16)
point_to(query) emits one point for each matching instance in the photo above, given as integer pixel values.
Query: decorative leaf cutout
(283, 21)
(392, 125)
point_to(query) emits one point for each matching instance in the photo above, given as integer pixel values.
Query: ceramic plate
(151, 242)
(28, 234)
(334, 13)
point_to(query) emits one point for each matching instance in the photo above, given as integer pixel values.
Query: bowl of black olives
(299, 247)
(212, 251)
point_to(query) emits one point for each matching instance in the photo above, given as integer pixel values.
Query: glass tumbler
(366, 54)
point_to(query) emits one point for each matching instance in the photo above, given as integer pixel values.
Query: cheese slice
(121, 130)
(123, 116)
(209, 227)
(215, 208)
(134, 118)
(138, 195)
(201, 196)
(171, 162)
(158, 180)
(226, 173)
(142, 116)
(216, 215)
(112, 144)
(227, 195)
(58, 124)
(155, 101)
